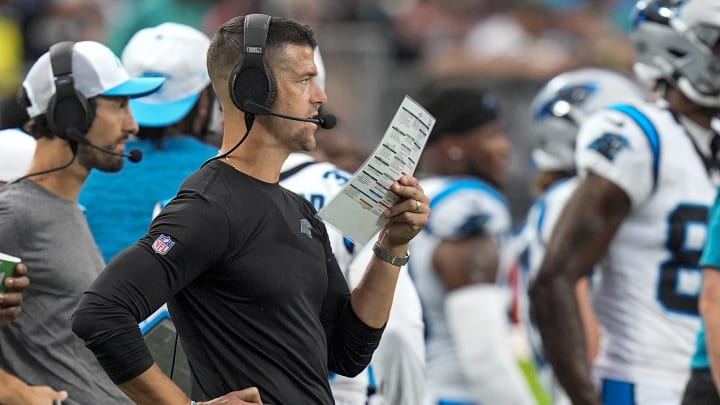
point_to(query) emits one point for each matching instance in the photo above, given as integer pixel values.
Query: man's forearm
(153, 387)
(558, 317)
(373, 296)
(10, 386)
(710, 310)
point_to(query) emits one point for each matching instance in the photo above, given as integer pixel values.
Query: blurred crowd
(376, 51)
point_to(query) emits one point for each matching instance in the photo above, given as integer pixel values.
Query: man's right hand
(11, 299)
(248, 396)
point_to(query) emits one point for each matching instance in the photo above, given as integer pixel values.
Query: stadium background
(375, 51)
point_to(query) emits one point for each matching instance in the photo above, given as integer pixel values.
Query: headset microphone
(134, 155)
(324, 121)
(327, 121)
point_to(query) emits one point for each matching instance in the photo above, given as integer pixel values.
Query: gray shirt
(52, 237)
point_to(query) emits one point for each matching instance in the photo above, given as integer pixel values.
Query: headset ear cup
(69, 113)
(252, 80)
(252, 84)
(69, 116)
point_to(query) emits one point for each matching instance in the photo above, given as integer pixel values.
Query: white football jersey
(461, 206)
(319, 182)
(646, 297)
(529, 246)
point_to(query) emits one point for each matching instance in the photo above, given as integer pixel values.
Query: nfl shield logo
(163, 244)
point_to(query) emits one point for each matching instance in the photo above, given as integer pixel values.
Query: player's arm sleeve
(481, 338)
(612, 145)
(139, 280)
(477, 312)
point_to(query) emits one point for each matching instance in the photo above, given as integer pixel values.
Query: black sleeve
(351, 342)
(187, 238)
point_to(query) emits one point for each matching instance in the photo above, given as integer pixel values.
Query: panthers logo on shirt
(609, 145)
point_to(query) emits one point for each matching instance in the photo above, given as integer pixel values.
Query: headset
(69, 113)
(253, 87)
(252, 82)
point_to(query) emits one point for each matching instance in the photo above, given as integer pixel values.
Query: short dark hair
(226, 51)
(457, 107)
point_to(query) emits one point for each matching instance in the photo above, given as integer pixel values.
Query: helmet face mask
(683, 49)
(560, 107)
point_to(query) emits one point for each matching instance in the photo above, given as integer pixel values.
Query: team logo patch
(306, 228)
(163, 244)
(609, 145)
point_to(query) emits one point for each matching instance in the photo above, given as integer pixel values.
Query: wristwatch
(388, 257)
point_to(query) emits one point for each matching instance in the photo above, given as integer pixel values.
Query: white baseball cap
(176, 52)
(16, 153)
(320, 65)
(95, 70)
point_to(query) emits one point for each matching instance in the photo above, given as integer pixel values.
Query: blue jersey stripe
(618, 392)
(468, 185)
(464, 185)
(650, 132)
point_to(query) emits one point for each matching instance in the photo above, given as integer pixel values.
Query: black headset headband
(69, 113)
(252, 81)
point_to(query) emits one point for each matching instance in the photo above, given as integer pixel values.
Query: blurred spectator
(174, 128)
(535, 41)
(223, 10)
(11, 43)
(51, 21)
(16, 154)
(135, 15)
(342, 149)
(12, 113)
(458, 260)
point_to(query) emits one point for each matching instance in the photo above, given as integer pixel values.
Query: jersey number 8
(684, 258)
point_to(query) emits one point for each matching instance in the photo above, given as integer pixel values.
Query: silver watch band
(388, 257)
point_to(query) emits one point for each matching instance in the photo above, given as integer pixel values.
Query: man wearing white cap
(77, 96)
(175, 123)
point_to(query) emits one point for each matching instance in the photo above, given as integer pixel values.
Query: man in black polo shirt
(244, 264)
